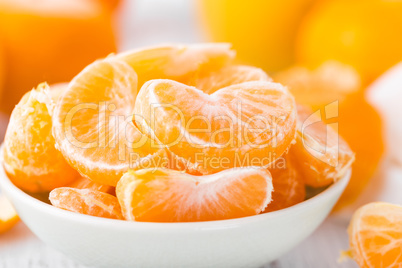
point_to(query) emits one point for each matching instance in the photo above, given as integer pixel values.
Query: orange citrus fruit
(8, 215)
(248, 124)
(322, 155)
(92, 122)
(357, 121)
(84, 183)
(375, 236)
(289, 188)
(30, 158)
(50, 41)
(230, 75)
(331, 81)
(110, 4)
(2, 68)
(182, 63)
(164, 195)
(262, 31)
(359, 33)
(86, 201)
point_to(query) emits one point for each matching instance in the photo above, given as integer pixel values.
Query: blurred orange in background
(297, 40)
(357, 121)
(50, 41)
(365, 34)
(262, 31)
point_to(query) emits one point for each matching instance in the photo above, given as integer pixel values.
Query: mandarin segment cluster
(171, 134)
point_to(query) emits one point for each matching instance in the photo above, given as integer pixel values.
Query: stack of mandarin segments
(174, 133)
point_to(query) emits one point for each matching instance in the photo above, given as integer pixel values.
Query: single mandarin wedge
(50, 41)
(30, 157)
(375, 236)
(182, 63)
(92, 122)
(331, 81)
(322, 155)
(86, 201)
(357, 121)
(84, 183)
(230, 75)
(164, 195)
(8, 215)
(248, 124)
(289, 188)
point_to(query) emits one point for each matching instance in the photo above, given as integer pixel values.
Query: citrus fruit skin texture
(375, 236)
(335, 90)
(203, 129)
(364, 35)
(289, 188)
(8, 215)
(164, 195)
(323, 156)
(50, 41)
(361, 126)
(182, 63)
(30, 157)
(271, 25)
(86, 201)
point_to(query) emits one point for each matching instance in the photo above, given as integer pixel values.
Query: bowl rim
(11, 189)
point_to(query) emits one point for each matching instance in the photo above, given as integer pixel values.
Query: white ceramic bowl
(245, 242)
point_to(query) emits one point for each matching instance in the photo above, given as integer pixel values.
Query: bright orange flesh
(289, 188)
(92, 122)
(8, 215)
(358, 123)
(230, 75)
(30, 157)
(164, 195)
(358, 33)
(178, 62)
(361, 126)
(84, 183)
(331, 81)
(248, 124)
(86, 201)
(322, 156)
(63, 37)
(375, 236)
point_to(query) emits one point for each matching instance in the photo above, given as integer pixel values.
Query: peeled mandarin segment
(182, 63)
(230, 75)
(375, 235)
(84, 183)
(8, 215)
(86, 201)
(322, 155)
(163, 195)
(289, 188)
(63, 37)
(320, 86)
(93, 122)
(30, 157)
(358, 123)
(248, 124)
